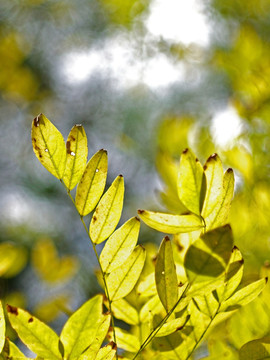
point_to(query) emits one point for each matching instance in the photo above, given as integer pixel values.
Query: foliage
(172, 301)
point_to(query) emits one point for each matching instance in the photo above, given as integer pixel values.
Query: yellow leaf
(49, 146)
(120, 245)
(108, 212)
(76, 156)
(191, 182)
(122, 310)
(171, 224)
(107, 352)
(92, 183)
(2, 327)
(125, 340)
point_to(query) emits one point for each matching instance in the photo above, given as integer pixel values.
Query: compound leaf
(120, 245)
(81, 328)
(77, 152)
(92, 183)
(171, 224)
(190, 184)
(108, 212)
(214, 180)
(41, 339)
(49, 146)
(165, 275)
(122, 280)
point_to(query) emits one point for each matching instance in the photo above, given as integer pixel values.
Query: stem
(97, 257)
(159, 326)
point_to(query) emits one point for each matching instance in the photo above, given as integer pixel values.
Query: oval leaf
(92, 183)
(172, 326)
(39, 338)
(80, 330)
(165, 275)
(122, 310)
(171, 224)
(2, 328)
(121, 281)
(120, 245)
(49, 146)
(108, 212)
(125, 340)
(107, 352)
(256, 349)
(77, 152)
(190, 184)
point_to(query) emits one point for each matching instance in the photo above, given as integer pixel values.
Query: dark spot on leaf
(40, 155)
(94, 218)
(205, 167)
(197, 160)
(12, 309)
(167, 238)
(179, 247)
(235, 248)
(241, 261)
(68, 147)
(180, 284)
(30, 320)
(121, 175)
(137, 219)
(113, 345)
(72, 138)
(213, 156)
(37, 148)
(185, 151)
(179, 328)
(34, 139)
(141, 211)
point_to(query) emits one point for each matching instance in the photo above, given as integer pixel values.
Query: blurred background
(146, 78)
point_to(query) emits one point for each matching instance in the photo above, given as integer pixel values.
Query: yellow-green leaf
(172, 326)
(171, 224)
(208, 256)
(125, 340)
(214, 184)
(13, 259)
(92, 183)
(122, 310)
(207, 304)
(108, 212)
(147, 286)
(2, 327)
(122, 280)
(244, 295)
(107, 352)
(80, 330)
(38, 337)
(120, 245)
(14, 352)
(77, 152)
(258, 349)
(151, 307)
(220, 213)
(191, 182)
(165, 275)
(49, 146)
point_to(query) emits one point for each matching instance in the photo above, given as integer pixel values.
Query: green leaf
(120, 245)
(2, 327)
(49, 146)
(77, 152)
(107, 352)
(244, 295)
(151, 307)
(209, 255)
(108, 212)
(39, 338)
(256, 349)
(125, 340)
(81, 328)
(207, 304)
(92, 183)
(122, 310)
(172, 326)
(171, 224)
(165, 275)
(91, 352)
(214, 184)
(191, 182)
(219, 215)
(122, 280)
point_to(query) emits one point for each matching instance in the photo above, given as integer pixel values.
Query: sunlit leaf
(107, 352)
(214, 184)
(165, 275)
(209, 255)
(120, 245)
(122, 310)
(258, 349)
(125, 340)
(15, 352)
(108, 212)
(81, 328)
(151, 307)
(13, 259)
(168, 346)
(172, 326)
(2, 327)
(244, 295)
(92, 183)
(122, 280)
(207, 304)
(219, 215)
(171, 224)
(49, 146)
(191, 186)
(91, 352)
(77, 152)
(39, 338)
(147, 286)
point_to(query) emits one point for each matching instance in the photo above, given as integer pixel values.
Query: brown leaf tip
(230, 170)
(213, 156)
(235, 248)
(113, 345)
(36, 121)
(12, 309)
(120, 175)
(167, 238)
(140, 211)
(136, 218)
(30, 320)
(185, 151)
